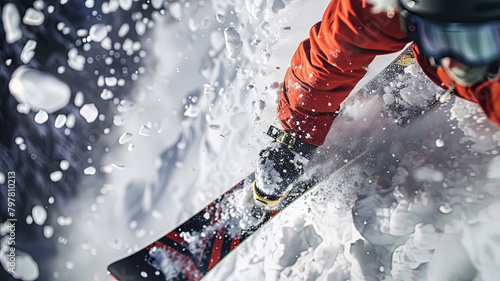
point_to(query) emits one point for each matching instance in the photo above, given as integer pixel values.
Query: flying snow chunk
(90, 171)
(79, 99)
(124, 29)
(106, 43)
(64, 164)
(439, 143)
(39, 214)
(98, 32)
(82, 32)
(277, 6)
(110, 81)
(89, 112)
(70, 121)
(118, 120)
(106, 94)
(446, 208)
(145, 130)
(258, 107)
(38, 4)
(23, 108)
(76, 61)
(140, 28)
(33, 17)
(157, 4)
(220, 18)
(48, 231)
(125, 138)
(64, 221)
(41, 117)
(56, 176)
(11, 23)
(255, 42)
(125, 4)
(233, 42)
(60, 121)
(19, 140)
(89, 4)
(28, 51)
(110, 7)
(39, 90)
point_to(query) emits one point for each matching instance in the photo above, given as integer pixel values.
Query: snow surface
(193, 127)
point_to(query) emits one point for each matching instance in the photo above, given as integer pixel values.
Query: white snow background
(195, 123)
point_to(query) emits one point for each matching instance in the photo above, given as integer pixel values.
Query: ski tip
(134, 267)
(112, 277)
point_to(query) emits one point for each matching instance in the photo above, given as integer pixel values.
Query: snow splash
(169, 266)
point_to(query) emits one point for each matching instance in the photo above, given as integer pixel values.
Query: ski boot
(279, 166)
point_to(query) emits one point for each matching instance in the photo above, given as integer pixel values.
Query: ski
(192, 249)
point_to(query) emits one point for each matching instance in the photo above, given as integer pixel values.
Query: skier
(456, 42)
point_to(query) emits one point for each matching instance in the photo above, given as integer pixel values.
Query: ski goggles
(474, 44)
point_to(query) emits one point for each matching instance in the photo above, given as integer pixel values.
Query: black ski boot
(279, 166)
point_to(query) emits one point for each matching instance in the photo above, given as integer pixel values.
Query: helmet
(454, 10)
(465, 30)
